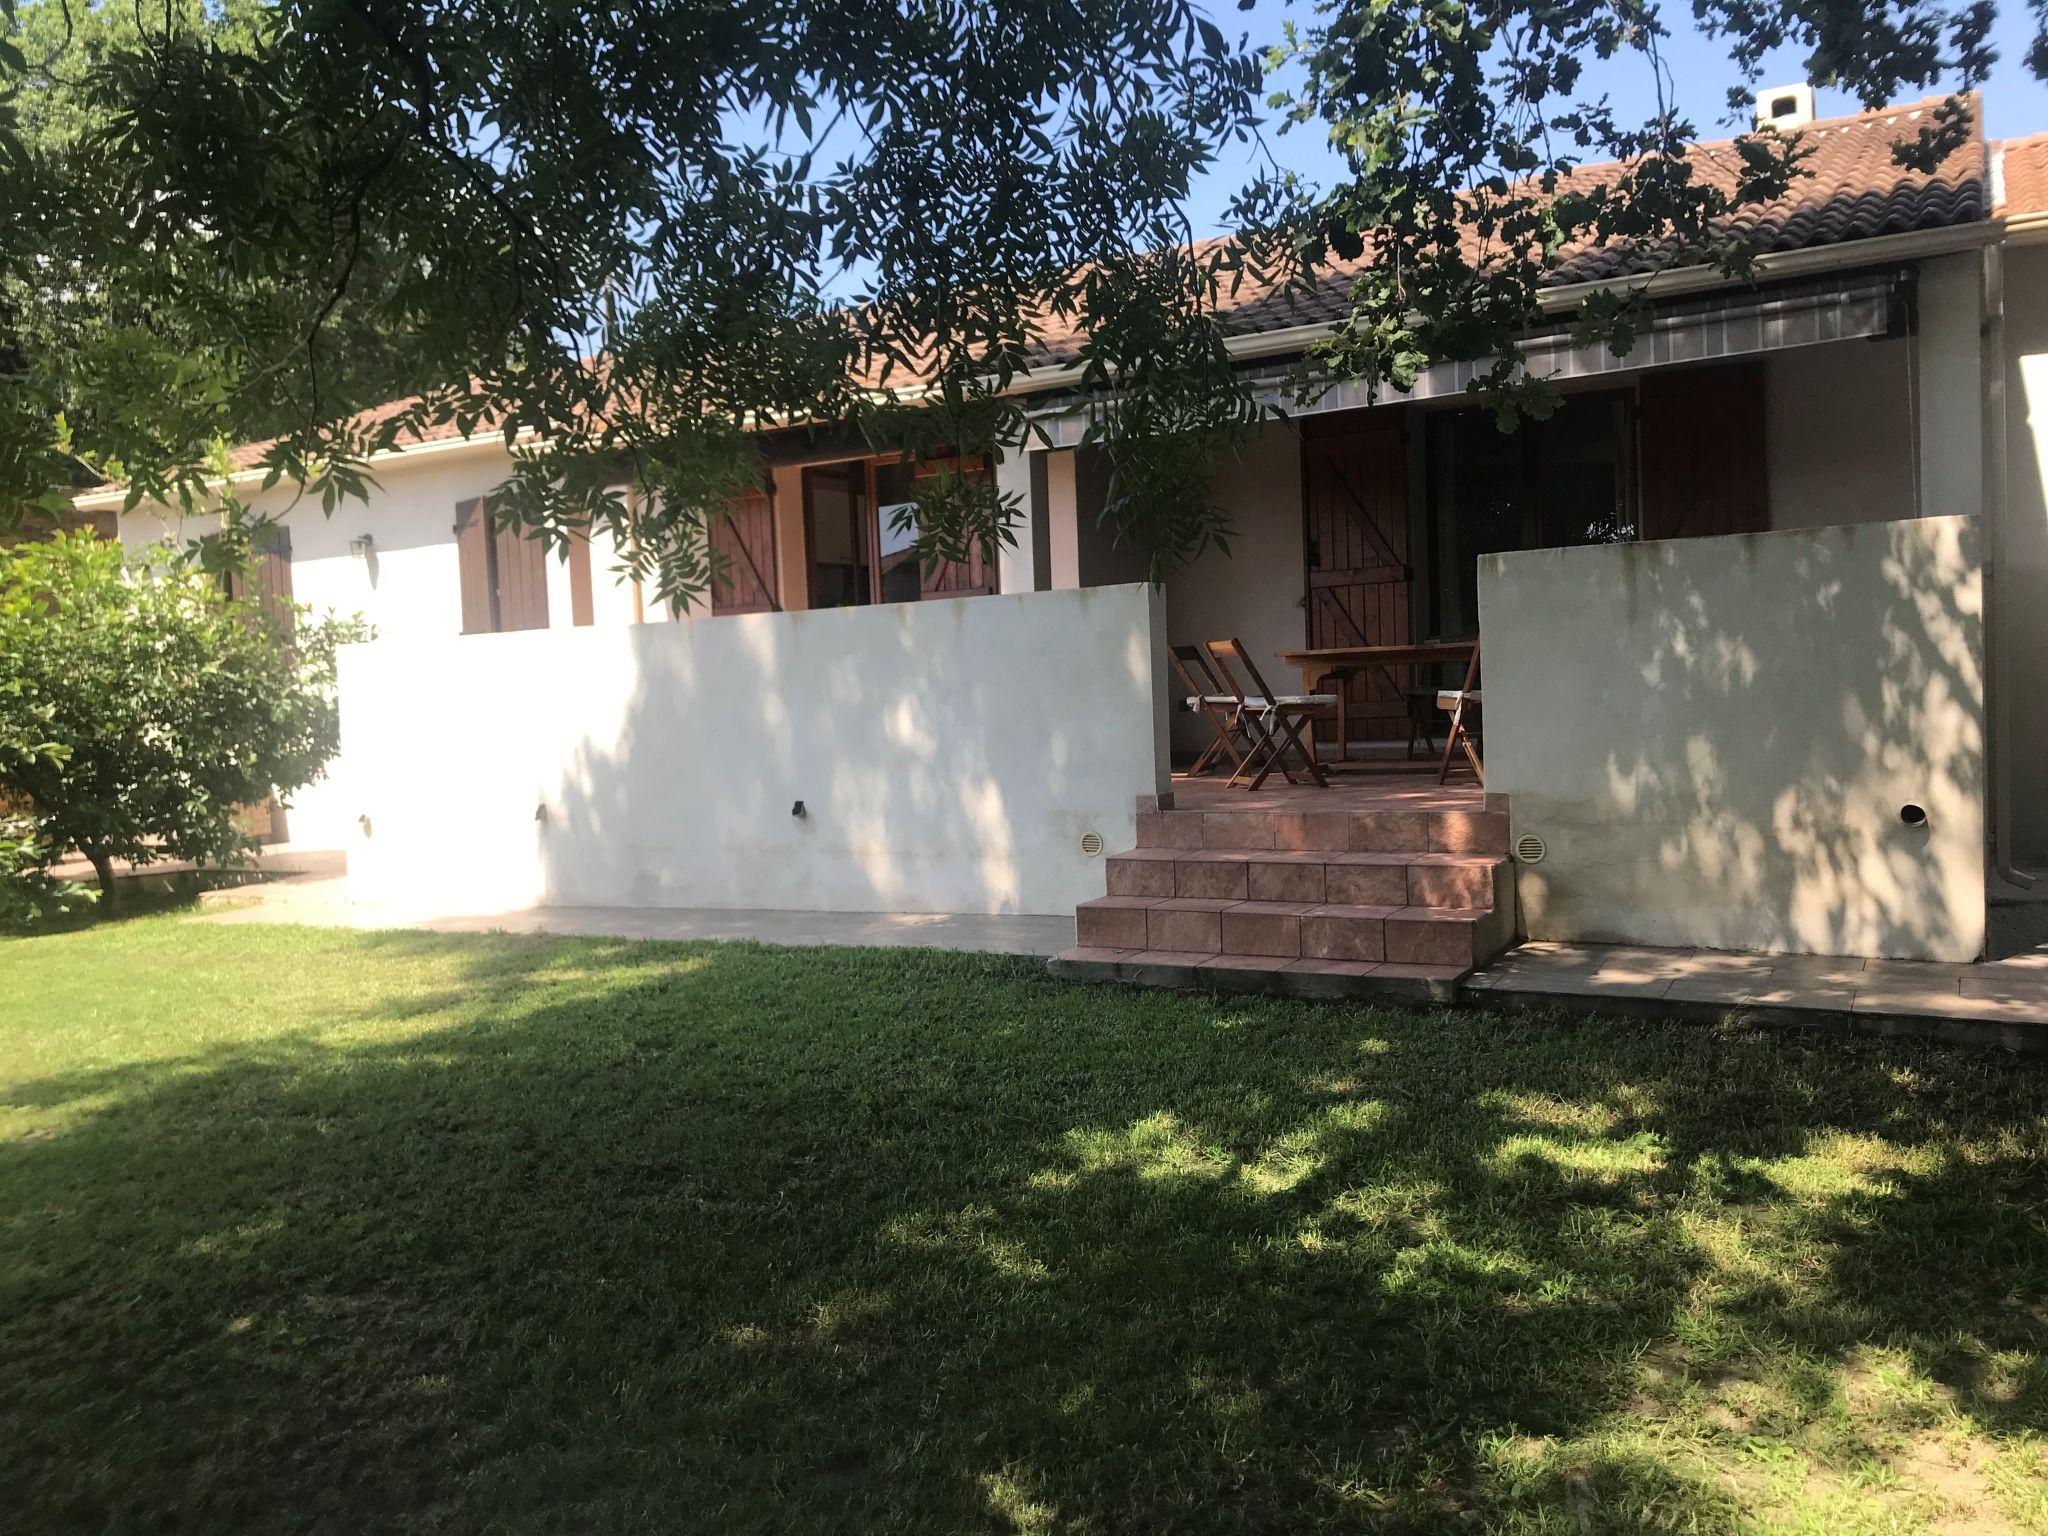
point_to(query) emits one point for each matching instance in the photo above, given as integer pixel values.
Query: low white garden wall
(1715, 738)
(950, 757)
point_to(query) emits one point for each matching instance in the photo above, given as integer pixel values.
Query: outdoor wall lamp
(798, 810)
(362, 546)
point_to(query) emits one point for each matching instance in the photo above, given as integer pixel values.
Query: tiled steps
(1301, 901)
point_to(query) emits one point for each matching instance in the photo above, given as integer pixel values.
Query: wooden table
(1343, 662)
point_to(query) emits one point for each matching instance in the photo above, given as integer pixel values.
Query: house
(1741, 688)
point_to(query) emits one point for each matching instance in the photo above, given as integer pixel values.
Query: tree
(633, 237)
(140, 706)
(518, 188)
(1468, 130)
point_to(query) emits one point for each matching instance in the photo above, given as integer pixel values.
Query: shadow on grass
(544, 1235)
(43, 915)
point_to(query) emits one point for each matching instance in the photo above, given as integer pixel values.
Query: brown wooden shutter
(743, 550)
(268, 576)
(473, 561)
(1355, 511)
(973, 577)
(581, 608)
(1701, 435)
(522, 578)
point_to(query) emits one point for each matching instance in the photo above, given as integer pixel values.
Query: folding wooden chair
(1463, 705)
(1275, 721)
(1208, 696)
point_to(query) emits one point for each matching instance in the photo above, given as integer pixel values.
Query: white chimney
(1784, 107)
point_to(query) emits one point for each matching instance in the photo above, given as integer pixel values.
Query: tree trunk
(103, 866)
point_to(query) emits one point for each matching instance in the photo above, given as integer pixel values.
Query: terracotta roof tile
(249, 455)
(2023, 178)
(1854, 191)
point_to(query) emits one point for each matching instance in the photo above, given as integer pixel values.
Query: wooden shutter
(1355, 505)
(473, 561)
(522, 578)
(743, 550)
(268, 577)
(973, 577)
(1701, 436)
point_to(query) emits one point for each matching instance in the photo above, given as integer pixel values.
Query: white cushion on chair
(1221, 700)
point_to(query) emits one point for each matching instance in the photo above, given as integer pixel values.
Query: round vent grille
(1529, 848)
(1091, 843)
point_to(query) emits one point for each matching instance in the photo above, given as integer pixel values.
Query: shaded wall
(950, 756)
(1715, 737)
(1839, 433)
(2023, 601)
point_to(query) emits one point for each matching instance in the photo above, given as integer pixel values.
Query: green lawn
(330, 1231)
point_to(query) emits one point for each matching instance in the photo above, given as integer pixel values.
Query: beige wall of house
(1746, 718)
(1254, 592)
(1063, 519)
(2021, 603)
(1838, 433)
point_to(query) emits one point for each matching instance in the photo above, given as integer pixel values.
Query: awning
(1696, 330)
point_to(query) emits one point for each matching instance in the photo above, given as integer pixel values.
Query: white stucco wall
(1839, 433)
(1255, 592)
(1714, 737)
(950, 756)
(411, 586)
(409, 589)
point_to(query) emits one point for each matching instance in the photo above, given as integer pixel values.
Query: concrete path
(326, 903)
(2001, 1002)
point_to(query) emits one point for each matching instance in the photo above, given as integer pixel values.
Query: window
(504, 576)
(838, 523)
(895, 496)
(1546, 485)
(856, 553)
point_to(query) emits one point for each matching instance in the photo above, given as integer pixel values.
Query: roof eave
(1845, 256)
(1912, 245)
(115, 497)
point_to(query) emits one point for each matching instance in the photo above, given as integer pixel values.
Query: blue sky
(2015, 102)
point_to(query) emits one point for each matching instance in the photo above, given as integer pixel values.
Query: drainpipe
(2000, 714)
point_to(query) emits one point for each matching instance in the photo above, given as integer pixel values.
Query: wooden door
(973, 577)
(1701, 437)
(1355, 505)
(743, 556)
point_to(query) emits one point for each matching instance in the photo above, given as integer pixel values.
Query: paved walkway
(2003, 1001)
(326, 903)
